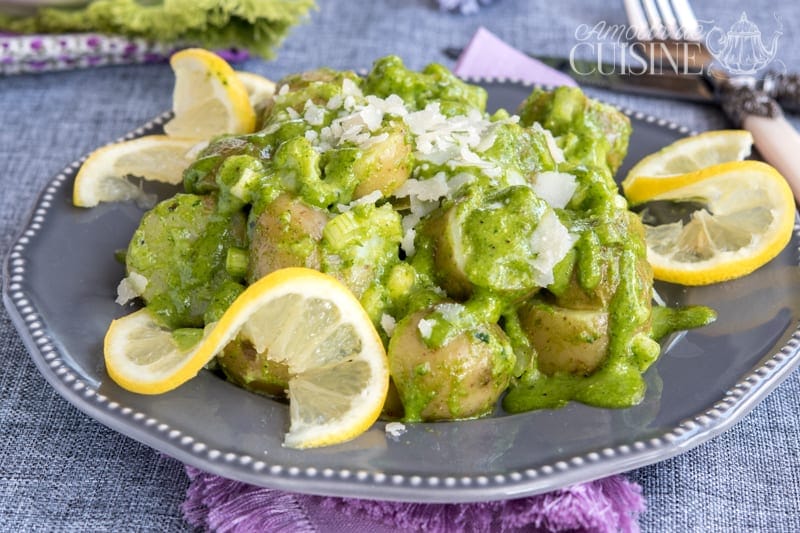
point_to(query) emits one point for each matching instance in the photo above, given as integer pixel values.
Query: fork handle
(785, 88)
(779, 145)
(776, 139)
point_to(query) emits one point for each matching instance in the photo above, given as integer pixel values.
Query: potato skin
(574, 296)
(566, 340)
(252, 371)
(444, 230)
(462, 379)
(286, 233)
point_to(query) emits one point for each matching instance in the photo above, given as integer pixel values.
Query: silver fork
(662, 19)
(667, 25)
(659, 23)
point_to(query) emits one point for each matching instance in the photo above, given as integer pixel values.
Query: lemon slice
(209, 98)
(259, 89)
(102, 177)
(748, 221)
(691, 154)
(302, 318)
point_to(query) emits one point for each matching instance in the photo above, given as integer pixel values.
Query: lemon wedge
(102, 177)
(259, 89)
(209, 98)
(747, 220)
(691, 154)
(309, 321)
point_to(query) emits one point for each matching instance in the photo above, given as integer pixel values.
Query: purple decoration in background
(42, 53)
(480, 59)
(233, 55)
(219, 504)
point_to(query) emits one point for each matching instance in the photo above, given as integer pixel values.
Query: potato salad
(492, 252)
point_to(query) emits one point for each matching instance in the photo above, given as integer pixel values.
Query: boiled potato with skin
(444, 229)
(253, 371)
(565, 340)
(462, 379)
(385, 165)
(320, 75)
(574, 296)
(286, 233)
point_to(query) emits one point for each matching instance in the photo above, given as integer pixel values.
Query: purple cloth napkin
(605, 505)
(219, 504)
(488, 56)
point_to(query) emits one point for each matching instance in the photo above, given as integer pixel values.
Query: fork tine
(656, 26)
(637, 20)
(669, 20)
(688, 22)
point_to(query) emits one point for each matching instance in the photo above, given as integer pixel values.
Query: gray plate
(60, 285)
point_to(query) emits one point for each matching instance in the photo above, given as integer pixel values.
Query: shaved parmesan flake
(388, 324)
(555, 151)
(450, 311)
(130, 287)
(455, 141)
(430, 189)
(314, 114)
(425, 328)
(370, 198)
(555, 188)
(395, 429)
(549, 242)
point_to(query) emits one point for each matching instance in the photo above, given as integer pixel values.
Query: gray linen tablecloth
(61, 470)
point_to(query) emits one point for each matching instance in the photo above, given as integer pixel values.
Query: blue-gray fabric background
(60, 470)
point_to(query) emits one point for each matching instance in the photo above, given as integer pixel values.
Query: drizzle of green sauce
(473, 266)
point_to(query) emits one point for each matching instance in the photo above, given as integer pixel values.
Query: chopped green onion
(236, 262)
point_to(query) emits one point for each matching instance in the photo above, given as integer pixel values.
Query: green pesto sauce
(667, 320)
(499, 233)
(434, 84)
(187, 338)
(180, 247)
(472, 266)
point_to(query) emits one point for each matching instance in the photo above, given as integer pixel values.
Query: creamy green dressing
(472, 252)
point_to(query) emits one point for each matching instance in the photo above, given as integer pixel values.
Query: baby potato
(606, 271)
(252, 371)
(286, 233)
(462, 379)
(445, 230)
(320, 75)
(566, 340)
(385, 165)
(490, 242)
(575, 296)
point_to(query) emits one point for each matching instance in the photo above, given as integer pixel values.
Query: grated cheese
(425, 328)
(549, 243)
(555, 188)
(388, 323)
(395, 429)
(130, 287)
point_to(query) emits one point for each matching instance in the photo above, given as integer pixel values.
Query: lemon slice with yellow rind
(208, 99)
(102, 177)
(747, 221)
(299, 317)
(259, 89)
(691, 154)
